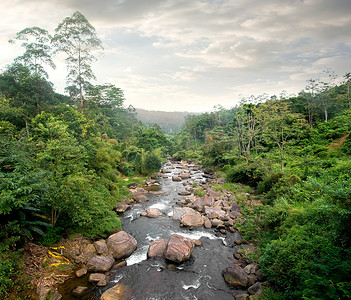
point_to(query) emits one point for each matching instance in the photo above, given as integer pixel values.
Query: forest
(65, 161)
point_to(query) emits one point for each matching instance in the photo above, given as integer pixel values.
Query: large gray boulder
(157, 249)
(121, 244)
(235, 276)
(100, 263)
(179, 248)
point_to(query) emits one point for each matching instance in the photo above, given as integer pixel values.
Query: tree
(246, 120)
(106, 96)
(347, 77)
(312, 89)
(36, 42)
(77, 38)
(279, 124)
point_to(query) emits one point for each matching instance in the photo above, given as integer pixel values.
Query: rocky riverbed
(179, 241)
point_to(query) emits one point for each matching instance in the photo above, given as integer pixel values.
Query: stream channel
(198, 278)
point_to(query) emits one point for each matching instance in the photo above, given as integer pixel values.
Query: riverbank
(195, 204)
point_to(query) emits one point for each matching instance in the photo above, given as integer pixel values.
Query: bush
(151, 163)
(307, 264)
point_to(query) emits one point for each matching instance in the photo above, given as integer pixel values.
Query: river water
(198, 278)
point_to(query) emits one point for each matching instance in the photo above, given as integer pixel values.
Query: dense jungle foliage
(65, 161)
(295, 151)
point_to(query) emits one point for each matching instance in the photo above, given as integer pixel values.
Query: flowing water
(198, 278)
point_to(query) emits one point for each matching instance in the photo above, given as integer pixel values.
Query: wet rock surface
(156, 257)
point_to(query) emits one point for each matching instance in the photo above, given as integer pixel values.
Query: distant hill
(168, 121)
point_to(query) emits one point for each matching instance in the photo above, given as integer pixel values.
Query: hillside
(168, 121)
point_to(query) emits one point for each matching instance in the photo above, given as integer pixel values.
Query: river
(198, 278)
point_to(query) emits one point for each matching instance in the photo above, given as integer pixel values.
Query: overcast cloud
(178, 55)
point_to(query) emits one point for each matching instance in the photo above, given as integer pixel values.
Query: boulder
(121, 244)
(89, 249)
(140, 198)
(79, 291)
(100, 263)
(217, 223)
(192, 219)
(252, 290)
(208, 224)
(203, 201)
(157, 249)
(235, 276)
(178, 212)
(184, 193)
(153, 212)
(96, 277)
(101, 247)
(176, 178)
(118, 292)
(184, 175)
(179, 248)
(81, 272)
(214, 212)
(213, 194)
(122, 207)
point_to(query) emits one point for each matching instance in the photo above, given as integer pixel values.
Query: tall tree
(38, 51)
(312, 88)
(77, 38)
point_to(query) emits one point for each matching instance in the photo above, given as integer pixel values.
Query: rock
(217, 222)
(208, 224)
(251, 268)
(178, 212)
(119, 264)
(153, 212)
(96, 277)
(192, 219)
(79, 291)
(157, 249)
(122, 207)
(56, 296)
(102, 283)
(197, 243)
(81, 272)
(203, 201)
(118, 292)
(213, 194)
(89, 249)
(238, 242)
(176, 178)
(236, 276)
(252, 279)
(184, 193)
(140, 198)
(121, 244)
(184, 175)
(208, 171)
(101, 247)
(42, 292)
(179, 248)
(214, 212)
(242, 297)
(100, 263)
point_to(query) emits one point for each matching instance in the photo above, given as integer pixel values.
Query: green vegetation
(295, 153)
(64, 159)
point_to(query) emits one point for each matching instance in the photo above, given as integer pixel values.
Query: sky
(192, 55)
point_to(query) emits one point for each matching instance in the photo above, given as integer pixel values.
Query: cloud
(180, 53)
